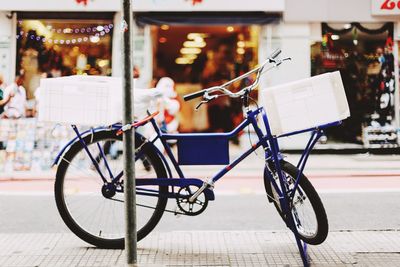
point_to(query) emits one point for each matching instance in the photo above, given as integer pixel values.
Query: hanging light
(194, 44)
(183, 61)
(162, 40)
(94, 39)
(240, 51)
(347, 26)
(241, 44)
(164, 27)
(196, 35)
(190, 50)
(190, 56)
(335, 37)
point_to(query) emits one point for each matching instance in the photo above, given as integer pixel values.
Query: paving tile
(206, 248)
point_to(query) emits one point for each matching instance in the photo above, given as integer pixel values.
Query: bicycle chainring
(188, 208)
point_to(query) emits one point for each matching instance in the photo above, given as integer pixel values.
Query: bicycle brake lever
(199, 105)
(281, 61)
(207, 99)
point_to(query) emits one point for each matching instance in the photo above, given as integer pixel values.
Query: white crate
(82, 100)
(90, 100)
(305, 103)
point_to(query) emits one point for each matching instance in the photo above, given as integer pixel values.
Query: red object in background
(382, 86)
(390, 5)
(194, 2)
(389, 43)
(85, 2)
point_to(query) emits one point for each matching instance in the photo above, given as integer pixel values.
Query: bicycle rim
(88, 213)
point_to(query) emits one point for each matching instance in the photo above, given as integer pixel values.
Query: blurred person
(137, 82)
(15, 108)
(2, 82)
(1, 87)
(169, 105)
(136, 72)
(218, 70)
(3, 100)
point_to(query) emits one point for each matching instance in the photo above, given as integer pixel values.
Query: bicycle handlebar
(193, 95)
(276, 53)
(259, 70)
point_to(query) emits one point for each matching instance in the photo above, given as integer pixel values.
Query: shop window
(364, 56)
(60, 47)
(197, 57)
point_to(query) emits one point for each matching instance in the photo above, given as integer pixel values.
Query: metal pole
(129, 167)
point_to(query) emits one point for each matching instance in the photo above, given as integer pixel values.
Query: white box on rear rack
(306, 103)
(82, 100)
(89, 100)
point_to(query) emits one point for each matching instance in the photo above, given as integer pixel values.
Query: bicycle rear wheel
(96, 213)
(306, 208)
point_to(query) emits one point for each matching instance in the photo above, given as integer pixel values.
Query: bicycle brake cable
(248, 130)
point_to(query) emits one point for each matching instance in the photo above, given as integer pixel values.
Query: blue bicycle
(89, 182)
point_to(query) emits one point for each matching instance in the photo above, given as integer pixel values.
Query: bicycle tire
(68, 218)
(322, 226)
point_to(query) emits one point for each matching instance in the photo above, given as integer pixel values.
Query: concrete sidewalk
(206, 248)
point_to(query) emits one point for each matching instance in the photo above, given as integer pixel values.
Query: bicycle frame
(266, 140)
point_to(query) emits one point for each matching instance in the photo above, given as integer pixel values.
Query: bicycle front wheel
(306, 208)
(95, 213)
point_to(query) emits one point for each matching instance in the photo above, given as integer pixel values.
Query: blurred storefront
(203, 43)
(193, 40)
(189, 41)
(199, 56)
(361, 40)
(43, 42)
(48, 47)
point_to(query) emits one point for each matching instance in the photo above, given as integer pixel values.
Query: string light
(92, 38)
(70, 30)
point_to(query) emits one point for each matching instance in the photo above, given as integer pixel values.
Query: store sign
(209, 5)
(61, 5)
(84, 2)
(385, 7)
(144, 5)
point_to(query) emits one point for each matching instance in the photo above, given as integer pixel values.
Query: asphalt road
(346, 211)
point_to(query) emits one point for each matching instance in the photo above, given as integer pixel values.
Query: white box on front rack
(306, 103)
(81, 100)
(90, 100)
